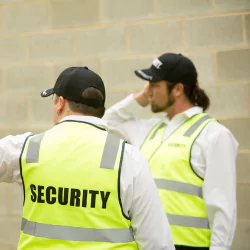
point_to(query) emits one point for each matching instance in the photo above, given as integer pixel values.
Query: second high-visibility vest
(71, 184)
(180, 188)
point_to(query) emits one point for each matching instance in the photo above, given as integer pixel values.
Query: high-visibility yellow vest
(71, 178)
(180, 188)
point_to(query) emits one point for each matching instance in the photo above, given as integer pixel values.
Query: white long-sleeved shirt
(213, 157)
(139, 195)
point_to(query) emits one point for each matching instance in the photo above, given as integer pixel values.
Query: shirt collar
(186, 114)
(88, 119)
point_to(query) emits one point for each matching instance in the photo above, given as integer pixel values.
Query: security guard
(84, 188)
(191, 155)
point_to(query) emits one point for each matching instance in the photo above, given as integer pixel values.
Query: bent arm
(123, 119)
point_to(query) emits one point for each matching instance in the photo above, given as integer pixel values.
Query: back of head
(93, 97)
(84, 90)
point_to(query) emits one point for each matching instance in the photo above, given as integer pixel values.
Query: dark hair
(93, 95)
(196, 95)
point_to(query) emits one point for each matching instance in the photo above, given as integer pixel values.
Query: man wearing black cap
(84, 188)
(191, 156)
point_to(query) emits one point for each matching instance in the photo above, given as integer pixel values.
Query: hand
(143, 96)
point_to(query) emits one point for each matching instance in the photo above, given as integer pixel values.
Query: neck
(178, 108)
(68, 112)
(65, 114)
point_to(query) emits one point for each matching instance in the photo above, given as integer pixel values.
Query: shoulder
(215, 132)
(16, 141)
(151, 123)
(215, 128)
(133, 160)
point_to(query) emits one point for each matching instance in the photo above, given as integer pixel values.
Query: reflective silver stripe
(144, 75)
(34, 148)
(117, 235)
(192, 129)
(180, 187)
(110, 151)
(188, 221)
(154, 134)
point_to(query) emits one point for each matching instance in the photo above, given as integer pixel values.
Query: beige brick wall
(39, 38)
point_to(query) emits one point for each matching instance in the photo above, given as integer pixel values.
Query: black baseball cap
(171, 67)
(72, 82)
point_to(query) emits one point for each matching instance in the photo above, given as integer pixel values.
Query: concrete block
(5, 202)
(101, 42)
(68, 13)
(243, 168)
(41, 109)
(242, 239)
(7, 246)
(12, 50)
(16, 200)
(32, 127)
(214, 31)
(247, 96)
(3, 131)
(8, 2)
(167, 8)
(2, 84)
(240, 129)
(3, 111)
(233, 65)
(203, 62)
(26, 79)
(16, 110)
(247, 20)
(231, 5)
(112, 97)
(52, 46)
(156, 37)
(113, 10)
(93, 65)
(243, 204)
(9, 229)
(29, 16)
(119, 74)
(228, 101)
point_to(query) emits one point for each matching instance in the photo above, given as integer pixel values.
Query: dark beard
(157, 109)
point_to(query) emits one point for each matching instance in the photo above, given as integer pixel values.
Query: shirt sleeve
(123, 119)
(141, 202)
(219, 189)
(10, 151)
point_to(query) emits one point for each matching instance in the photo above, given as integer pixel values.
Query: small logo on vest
(176, 145)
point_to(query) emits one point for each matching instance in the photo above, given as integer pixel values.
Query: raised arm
(123, 118)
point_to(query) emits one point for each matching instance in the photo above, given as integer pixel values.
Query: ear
(61, 104)
(178, 89)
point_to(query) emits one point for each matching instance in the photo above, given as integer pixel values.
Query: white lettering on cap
(157, 63)
(145, 75)
(45, 92)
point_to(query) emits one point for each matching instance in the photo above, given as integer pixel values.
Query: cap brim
(47, 92)
(148, 75)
